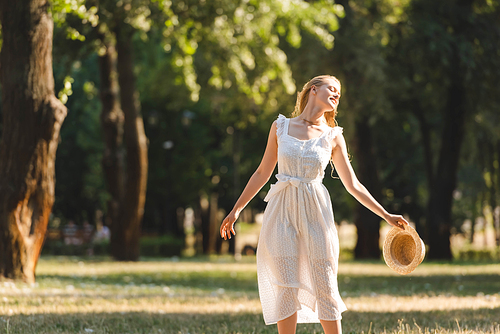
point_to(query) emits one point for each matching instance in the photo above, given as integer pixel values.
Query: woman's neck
(313, 115)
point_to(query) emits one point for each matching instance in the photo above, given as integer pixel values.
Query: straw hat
(403, 250)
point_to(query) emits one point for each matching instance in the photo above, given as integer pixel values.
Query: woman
(297, 255)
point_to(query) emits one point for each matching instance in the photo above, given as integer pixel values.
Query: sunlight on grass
(220, 295)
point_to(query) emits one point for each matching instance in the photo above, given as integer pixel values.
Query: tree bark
(112, 128)
(32, 118)
(204, 205)
(476, 208)
(367, 223)
(490, 158)
(441, 193)
(497, 220)
(426, 141)
(236, 181)
(213, 229)
(125, 231)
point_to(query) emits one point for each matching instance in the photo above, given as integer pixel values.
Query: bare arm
(354, 187)
(256, 182)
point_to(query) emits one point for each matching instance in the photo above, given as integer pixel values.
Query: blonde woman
(298, 250)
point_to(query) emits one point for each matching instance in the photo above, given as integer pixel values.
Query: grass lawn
(219, 295)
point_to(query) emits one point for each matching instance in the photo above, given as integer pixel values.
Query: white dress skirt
(298, 249)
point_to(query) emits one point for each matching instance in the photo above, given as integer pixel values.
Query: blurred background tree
(445, 69)
(182, 39)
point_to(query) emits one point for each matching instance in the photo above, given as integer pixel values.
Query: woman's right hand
(227, 225)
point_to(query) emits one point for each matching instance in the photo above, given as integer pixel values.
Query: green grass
(219, 295)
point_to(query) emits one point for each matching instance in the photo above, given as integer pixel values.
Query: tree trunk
(426, 141)
(491, 158)
(441, 193)
(236, 181)
(213, 229)
(476, 209)
(497, 220)
(112, 128)
(367, 223)
(170, 223)
(32, 118)
(205, 222)
(125, 231)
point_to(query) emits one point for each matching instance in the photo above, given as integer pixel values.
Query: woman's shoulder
(333, 132)
(281, 117)
(279, 123)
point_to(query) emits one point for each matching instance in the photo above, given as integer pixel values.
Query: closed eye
(332, 89)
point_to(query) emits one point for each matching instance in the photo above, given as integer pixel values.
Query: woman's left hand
(396, 220)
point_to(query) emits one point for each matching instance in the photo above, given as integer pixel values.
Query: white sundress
(298, 249)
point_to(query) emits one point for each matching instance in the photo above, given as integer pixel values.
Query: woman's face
(328, 94)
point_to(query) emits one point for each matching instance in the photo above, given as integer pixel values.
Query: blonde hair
(303, 98)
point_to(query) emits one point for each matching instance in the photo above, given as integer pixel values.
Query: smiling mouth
(333, 100)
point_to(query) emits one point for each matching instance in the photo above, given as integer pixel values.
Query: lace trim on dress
(280, 125)
(333, 132)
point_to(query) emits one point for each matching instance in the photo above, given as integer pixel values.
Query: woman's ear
(313, 89)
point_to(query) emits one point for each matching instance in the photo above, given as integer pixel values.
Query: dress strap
(332, 133)
(281, 125)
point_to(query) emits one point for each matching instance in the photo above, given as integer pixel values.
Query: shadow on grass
(203, 280)
(457, 285)
(246, 282)
(476, 321)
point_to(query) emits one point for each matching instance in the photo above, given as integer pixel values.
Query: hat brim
(403, 249)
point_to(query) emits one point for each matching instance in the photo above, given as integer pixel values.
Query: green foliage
(58, 248)
(435, 34)
(61, 9)
(164, 246)
(212, 76)
(242, 39)
(475, 255)
(80, 188)
(231, 49)
(66, 91)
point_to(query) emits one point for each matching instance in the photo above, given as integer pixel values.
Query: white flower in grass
(88, 330)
